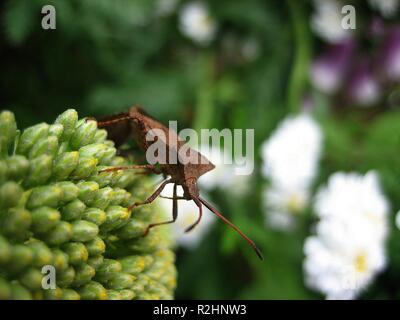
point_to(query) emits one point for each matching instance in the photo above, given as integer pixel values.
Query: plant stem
(302, 55)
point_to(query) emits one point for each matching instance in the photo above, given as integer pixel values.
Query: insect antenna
(219, 215)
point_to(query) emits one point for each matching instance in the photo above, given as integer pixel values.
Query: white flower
(398, 219)
(387, 8)
(188, 213)
(348, 249)
(224, 176)
(341, 273)
(291, 158)
(196, 22)
(327, 21)
(282, 203)
(351, 195)
(292, 152)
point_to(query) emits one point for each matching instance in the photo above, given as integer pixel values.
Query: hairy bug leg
(199, 205)
(123, 117)
(152, 197)
(174, 214)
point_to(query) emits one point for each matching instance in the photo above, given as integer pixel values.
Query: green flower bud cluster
(57, 209)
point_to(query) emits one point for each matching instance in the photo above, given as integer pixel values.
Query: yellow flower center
(294, 204)
(360, 263)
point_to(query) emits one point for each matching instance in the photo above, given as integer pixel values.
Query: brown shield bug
(138, 125)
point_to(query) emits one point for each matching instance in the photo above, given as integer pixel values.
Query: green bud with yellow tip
(45, 146)
(56, 130)
(8, 130)
(83, 274)
(20, 258)
(95, 261)
(44, 219)
(42, 255)
(85, 168)
(120, 281)
(127, 294)
(66, 277)
(60, 234)
(64, 164)
(102, 198)
(30, 136)
(107, 269)
(133, 229)
(76, 252)
(17, 167)
(70, 294)
(100, 136)
(84, 133)
(69, 189)
(73, 210)
(116, 216)
(53, 294)
(87, 190)
(60, 260)
(113, 295)
(95, 215)
(31, 279)
(15, 222)
(84, 230)
(133, 264)
(49, 196)
(10, 194)
(96, 247)
(40, 170)
(100, 151)
(68, 120)
(93, 291)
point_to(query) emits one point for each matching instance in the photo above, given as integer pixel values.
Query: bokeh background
(230, 64)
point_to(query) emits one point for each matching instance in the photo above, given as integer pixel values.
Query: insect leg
(199, 205)
(148, 167)
(106, 123)
(174, 214)
(153, 196)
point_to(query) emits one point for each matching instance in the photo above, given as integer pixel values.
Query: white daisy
(348, 249)
(387, 8)
(188, 213)
(292, 152)
(352, 195)
(282, 204)
(326, 21)
(343, 272)
(196, 22)
(290, 158)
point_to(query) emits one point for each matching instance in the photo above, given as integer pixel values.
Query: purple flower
(389, 59)
(328, 70)
(363, 87)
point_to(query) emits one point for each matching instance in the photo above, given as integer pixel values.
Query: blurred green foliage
(106, 55)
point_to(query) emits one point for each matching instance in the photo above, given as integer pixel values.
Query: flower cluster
(348, 249)
(290, 158)
(57, 209)
(344, 68)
